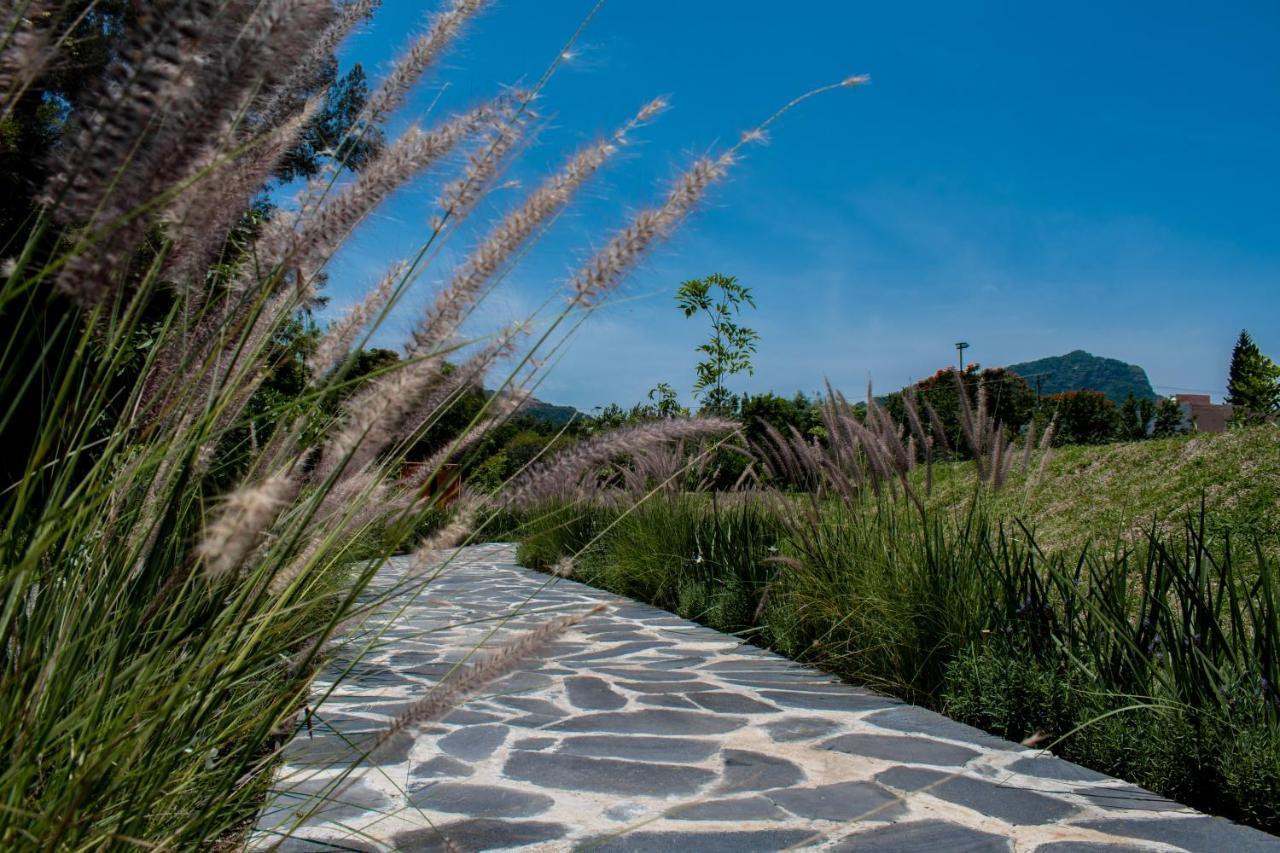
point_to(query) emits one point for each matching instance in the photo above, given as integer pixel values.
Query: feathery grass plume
(200, 219)
(464, 683)
(502, 243)
(244, 516)
(563, 567)
(416, 150)
(411, 65)
(389, 405)
(287, 98)
(336, 343)
(564, 471)
(611, 264)
(460, 196)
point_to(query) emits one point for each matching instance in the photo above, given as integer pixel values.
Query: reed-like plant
(180, 546)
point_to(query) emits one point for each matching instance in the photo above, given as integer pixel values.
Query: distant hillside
(549, 413)
(1080, 370)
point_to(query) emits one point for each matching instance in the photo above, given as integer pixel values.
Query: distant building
(1199, 414)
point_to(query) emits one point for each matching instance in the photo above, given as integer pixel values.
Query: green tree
(1168, 420)
(1084, 417)
(1135, 417)
(1253, 382)
(729, 350)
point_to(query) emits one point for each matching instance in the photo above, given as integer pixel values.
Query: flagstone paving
(641, 731)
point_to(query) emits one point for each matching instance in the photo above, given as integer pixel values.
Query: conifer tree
(1253, 383)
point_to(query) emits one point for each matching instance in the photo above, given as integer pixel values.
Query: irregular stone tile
(842, 801)
(627, 812)
(850, 701)
(620, 650)
(723, 702)
(441, 765)
(1089, 847)
(800, 728)
(521, 682)
(472, 743)
(1048, 767)
(924, 835)
(593, 694)
(651, 721)
(534, 743)
(479, 800)
(751, 841)
(463, 717)
(533, 721)
(630, 674)
(604, 775)
(1128, 797)
(667, 702)
(530, 705)
(1199, 834)
(665, 687)
(754, 771)
(1009, 803)
(745, 808)
(906, 750)
(479, 834)
(680, 750)
(912, 719)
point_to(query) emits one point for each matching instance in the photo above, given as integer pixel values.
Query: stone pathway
(641, 731)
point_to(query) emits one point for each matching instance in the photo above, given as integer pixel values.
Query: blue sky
(1030, 178)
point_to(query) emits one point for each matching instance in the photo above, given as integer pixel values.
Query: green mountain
(549, 413)
(1080, 370)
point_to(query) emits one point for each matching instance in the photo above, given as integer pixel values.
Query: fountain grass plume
(563, 472)
(506, 238)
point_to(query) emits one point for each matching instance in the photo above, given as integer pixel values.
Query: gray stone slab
(923, 836)
(653, 721)
(593, 694)
(442, 766)
(605, 775)
(754, 771)
(1048, 767)
(902, 749)
(790, 729)
(1090, 847)
(678, 750)
(911, 719)
(751, 841)
(850, 701)
(534, 743)
(478, 834)
(472, 743)
(843, 801)
(1011, 804)
(1198, 834)
(723, 702)
(1129, 797)
(742, 808)
(479, 800)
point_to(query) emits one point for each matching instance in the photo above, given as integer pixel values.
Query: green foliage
(1083, 417)
(729, 350)
(1136, 418)
(1157, 663)
(1168, 419)
(1009, 400)
(1253, 382)
(1081, 371)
